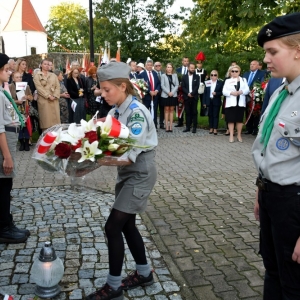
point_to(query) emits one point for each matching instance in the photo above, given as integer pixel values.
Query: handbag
(201, 88)
(204, 111)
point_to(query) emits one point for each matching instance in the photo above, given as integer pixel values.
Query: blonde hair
(170, 64)
(292, 40)
(18, 62)
(233, 67)
(129, 87)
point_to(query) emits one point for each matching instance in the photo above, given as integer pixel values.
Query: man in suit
(182, 71)
(254, 75)
(132, 74)
(190, 84)
(273, 84)
(153, 82)
(157, 68)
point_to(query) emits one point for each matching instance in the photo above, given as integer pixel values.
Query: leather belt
(15, 129)
(264, 184)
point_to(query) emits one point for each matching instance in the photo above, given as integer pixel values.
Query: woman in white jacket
(169, 86)
(235, 90)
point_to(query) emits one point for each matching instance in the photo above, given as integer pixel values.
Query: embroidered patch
(282, 144)
(133, 105)
(136, 128)
(137, 117)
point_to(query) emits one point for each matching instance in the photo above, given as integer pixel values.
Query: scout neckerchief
(11, 100)
(269, 123)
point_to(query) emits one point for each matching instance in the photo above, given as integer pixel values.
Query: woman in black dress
(169, 87)
(235, 90)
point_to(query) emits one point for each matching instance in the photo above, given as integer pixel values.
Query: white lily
(113, 147)
(88, 126)
(88, 151)
(73, 134)
(106, 126)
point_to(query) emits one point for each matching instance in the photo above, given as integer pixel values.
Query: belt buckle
(260, 184)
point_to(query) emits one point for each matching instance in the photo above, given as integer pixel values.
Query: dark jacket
(185, 86)
(216, 101)
(259, 77)
(73, 89)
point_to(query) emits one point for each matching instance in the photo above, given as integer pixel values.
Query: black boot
(26, 145)
(11, 235)
(12, 224)
(22, 145)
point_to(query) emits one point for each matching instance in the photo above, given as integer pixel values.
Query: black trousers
(5, 189)
(252, 125)
(190, 106)
(161, 110)
(279, 212)
(213, 116)
(147, 102)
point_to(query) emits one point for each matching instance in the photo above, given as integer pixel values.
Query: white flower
(122, 150)
(73, 134)
(88, 151)
(106, 126)
(113, 147)
(89, 126)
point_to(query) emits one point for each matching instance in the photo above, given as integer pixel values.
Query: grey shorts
(12, 140)
(135, 183)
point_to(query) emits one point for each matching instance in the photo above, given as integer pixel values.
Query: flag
(118, 55)
(67, 64)
(105, 57)
(83, 65)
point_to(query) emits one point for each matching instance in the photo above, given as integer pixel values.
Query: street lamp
(46, 272)
(92, 55)
(26, 40)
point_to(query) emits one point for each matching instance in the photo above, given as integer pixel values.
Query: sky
(42, 8)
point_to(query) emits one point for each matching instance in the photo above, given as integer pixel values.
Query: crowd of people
(275, 150)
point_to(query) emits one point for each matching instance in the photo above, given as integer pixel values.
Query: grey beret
(113, 70)
(279, 27)
(3, 59)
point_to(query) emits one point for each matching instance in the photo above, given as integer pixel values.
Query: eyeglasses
(213, 74)
(234, 71)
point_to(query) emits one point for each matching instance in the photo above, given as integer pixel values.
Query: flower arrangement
(76, 150)
(80, 92)
(140, 86)
(257, 95)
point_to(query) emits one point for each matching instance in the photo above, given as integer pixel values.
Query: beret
(113, 70)
(279, 27)
(3, 59)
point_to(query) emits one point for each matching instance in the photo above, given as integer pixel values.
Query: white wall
(15, 43)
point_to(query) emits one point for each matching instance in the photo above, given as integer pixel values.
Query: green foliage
(226, 30)
(68, 27)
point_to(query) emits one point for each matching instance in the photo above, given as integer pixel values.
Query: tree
(137, 25)
(226, 30)
(68, 27)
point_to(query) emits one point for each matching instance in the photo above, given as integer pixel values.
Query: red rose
(91, 136)
(76, 146)
(63, 150)
(107, 153)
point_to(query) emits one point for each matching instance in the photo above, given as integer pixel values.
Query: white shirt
(212, 88)
(184, 70)
(190, 83)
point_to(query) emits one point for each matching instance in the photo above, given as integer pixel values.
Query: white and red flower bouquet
(77, 149)
(140, 86)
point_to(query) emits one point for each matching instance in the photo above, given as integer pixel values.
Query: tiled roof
(24, 17)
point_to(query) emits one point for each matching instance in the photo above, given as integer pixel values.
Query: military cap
(279, 27)
(113, 70)
(3, 59)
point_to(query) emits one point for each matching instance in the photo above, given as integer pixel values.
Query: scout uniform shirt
(280, 161)
(8, 115)
(138, 119)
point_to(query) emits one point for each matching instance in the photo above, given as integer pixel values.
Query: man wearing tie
(157, 68)
(254, 75)
(183, 70)
(190, 84)
(153, 88)
(132, 74)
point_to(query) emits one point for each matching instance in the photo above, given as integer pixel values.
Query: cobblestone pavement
(200, 234)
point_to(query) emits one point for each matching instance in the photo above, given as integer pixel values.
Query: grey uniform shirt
(8, 115)
(280, 162)
(138, 119)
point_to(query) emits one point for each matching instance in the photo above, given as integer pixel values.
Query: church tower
(24, 34)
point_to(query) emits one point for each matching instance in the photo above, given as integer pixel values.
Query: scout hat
(279, 27)
(113, 70)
